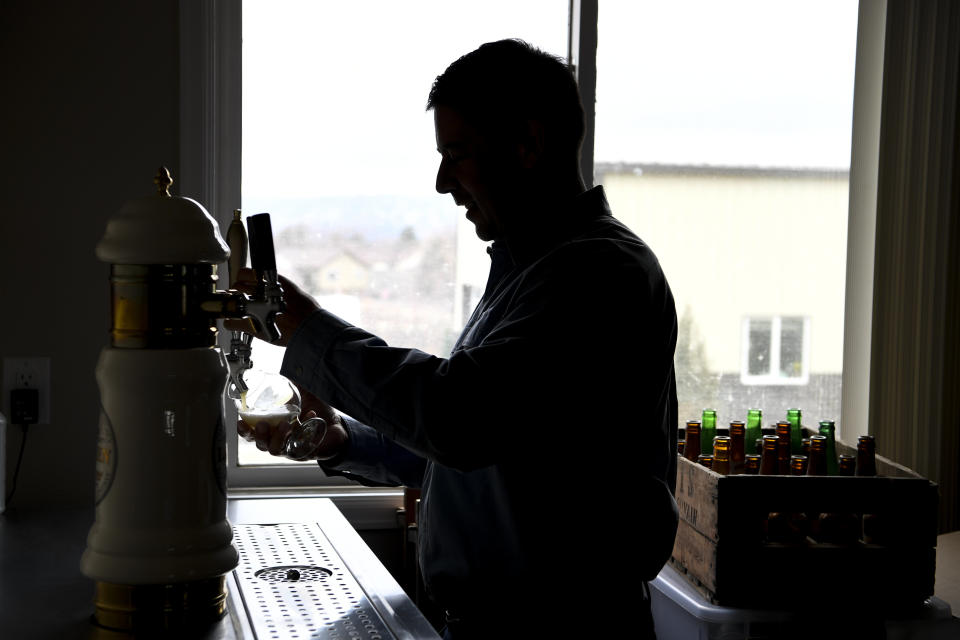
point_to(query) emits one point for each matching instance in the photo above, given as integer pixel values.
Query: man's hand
(299, 304)
(327, 443)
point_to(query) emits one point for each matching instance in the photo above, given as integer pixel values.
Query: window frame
(209, 171)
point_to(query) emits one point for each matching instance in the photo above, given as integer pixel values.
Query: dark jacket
(545, 444)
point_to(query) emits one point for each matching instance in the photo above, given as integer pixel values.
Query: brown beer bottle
(680, 443)
(706, 460)
(738, 432)
(844, 527)
(751, 464)
(783, 447)
(768, 461)
(817, 460)
(691, 445)
(866, 456)
(848, 464)
(798, 465)
(721, 455)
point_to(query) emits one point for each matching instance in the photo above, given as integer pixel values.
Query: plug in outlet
(28, 373)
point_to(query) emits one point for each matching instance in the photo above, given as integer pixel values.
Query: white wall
(90, 110)
(746, 243)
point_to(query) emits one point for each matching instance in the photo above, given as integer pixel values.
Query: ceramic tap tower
(161, 546)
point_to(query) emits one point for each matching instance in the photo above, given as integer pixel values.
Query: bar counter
(304, 573)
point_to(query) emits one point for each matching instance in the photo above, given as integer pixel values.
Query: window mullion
(582, 56)
(775, 336)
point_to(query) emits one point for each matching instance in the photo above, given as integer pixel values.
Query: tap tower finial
(163, 182)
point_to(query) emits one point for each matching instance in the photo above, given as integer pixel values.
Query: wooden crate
(723, 549)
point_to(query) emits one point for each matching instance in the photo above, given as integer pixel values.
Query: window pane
(791, 347)
(723, 139)
(758, 363)
(338, 147)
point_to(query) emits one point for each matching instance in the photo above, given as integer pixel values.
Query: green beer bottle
(828, 429)
(796, 431)
(754, 416)
(708, 430)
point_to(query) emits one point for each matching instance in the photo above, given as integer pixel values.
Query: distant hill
(372, 217)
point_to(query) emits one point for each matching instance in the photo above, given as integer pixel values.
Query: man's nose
(443, 177)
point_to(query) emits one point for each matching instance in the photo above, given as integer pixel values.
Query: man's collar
(556, 227)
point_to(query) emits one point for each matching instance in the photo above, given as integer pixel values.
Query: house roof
(653, 168)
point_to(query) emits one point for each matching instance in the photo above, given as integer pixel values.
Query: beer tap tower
(160, 546)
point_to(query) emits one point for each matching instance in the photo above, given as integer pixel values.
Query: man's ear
(530, 149)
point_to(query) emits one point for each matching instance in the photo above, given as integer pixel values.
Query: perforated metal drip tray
(295, 585)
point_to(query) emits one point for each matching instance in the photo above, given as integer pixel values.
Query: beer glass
(273, 399)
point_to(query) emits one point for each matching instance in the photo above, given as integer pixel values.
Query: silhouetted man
(544, 444)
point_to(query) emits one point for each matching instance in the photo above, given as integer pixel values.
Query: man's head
(509, 125)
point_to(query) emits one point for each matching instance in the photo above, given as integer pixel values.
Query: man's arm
(584, 341)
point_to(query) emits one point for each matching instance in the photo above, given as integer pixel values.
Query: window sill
(365, 508)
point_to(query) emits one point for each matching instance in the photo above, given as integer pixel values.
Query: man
(544, 444)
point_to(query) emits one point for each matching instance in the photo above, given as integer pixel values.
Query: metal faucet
(262, 307)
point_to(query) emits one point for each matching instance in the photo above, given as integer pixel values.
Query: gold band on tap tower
(160, 607)
(161, 306)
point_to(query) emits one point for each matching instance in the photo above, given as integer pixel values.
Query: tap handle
(237, 241)
(260, 233)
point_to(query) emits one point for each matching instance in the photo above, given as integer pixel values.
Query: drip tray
(294, 585)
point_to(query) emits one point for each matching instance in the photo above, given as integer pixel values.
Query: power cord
(24, 410)
(16, 471)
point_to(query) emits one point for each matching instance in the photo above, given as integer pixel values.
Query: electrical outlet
(28, 373)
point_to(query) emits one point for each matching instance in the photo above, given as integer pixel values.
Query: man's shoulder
(607, 244)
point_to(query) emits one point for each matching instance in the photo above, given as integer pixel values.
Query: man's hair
(503, 84)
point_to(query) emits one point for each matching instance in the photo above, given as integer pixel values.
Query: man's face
(479, 174)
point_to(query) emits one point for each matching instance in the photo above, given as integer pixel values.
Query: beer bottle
(828, 429)
(847, 464)
(768, 460)
(805, 447)
(708, 430)
(842, 527)
(866, 456)
(754, 417)
(706, 460)
(680, 442)
(721, 455)
(783, 447)
(798, 465)
(691, 445)
(796, 431)
(751, 464)
(738, 433)
(817, 460)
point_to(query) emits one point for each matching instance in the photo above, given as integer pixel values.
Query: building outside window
(723, 140)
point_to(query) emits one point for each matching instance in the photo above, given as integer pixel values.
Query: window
(723, 138)
(775, 350)
(748, 223)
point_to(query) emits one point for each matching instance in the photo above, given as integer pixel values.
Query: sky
(334, 93)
